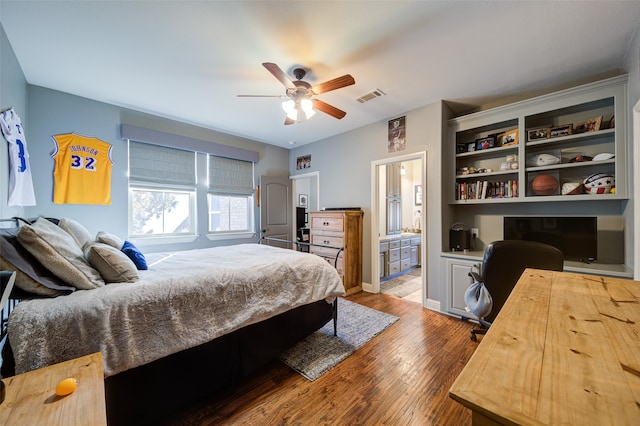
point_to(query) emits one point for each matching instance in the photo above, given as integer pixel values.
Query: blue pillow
(135, 255)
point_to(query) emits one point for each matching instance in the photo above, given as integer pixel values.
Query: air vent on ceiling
(371, 95)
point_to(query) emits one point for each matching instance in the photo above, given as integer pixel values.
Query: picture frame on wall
(418, 195)
(396, 140)
(303, 200)
(303, 162)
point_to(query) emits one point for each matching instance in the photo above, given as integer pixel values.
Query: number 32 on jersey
(82, 172)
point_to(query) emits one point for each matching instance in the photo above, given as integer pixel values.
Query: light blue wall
(46, 112)
(52, 112)
(344, 163)
(13, 93)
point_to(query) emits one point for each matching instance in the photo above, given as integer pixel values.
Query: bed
(196, 320)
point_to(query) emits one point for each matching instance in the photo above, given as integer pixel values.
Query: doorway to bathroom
(398, 240)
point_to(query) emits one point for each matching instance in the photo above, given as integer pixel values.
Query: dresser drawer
(327, 240)
(384, 247)
(394, 255)
(405, 264)
(331, 223)
(405, 242)
(330, 258)
(394, 244)
(405, 252)
(394, 268)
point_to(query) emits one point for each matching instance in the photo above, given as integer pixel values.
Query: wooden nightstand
(31, 398)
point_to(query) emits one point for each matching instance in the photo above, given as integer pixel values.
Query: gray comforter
(186, 298)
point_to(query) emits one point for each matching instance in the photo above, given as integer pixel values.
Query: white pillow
(76, 230)
(114, 266)
(58, 252)
(110, 239)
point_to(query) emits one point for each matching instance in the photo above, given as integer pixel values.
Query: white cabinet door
(456, 274)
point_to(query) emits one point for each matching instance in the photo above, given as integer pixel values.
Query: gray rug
(321, 351)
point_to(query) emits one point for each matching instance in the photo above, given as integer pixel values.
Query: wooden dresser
(340, 228)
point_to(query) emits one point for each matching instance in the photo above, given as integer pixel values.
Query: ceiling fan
(299, 93)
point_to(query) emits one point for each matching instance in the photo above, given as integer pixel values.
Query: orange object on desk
(31, 397)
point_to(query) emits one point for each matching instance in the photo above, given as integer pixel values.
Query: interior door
(276, 210)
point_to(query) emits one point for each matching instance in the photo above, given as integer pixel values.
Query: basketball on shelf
(544, 185)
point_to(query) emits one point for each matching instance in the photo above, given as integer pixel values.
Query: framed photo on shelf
(537, 134)
(508, 138)
(485, 143)
(564, 130)
(592, 125)
(471, 147)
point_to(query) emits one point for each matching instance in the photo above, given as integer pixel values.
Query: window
(230, 197)
(162, 191)
(159, 212)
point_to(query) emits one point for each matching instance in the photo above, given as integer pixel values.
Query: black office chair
(503, 264)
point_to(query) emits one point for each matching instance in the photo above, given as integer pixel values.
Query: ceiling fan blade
(278, 73)
(336, 83)
(328, 109)
(288, 121)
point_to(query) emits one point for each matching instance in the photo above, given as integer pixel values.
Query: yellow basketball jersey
(82, 170)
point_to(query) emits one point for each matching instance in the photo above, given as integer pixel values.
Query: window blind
(161, 165)
(230, 176)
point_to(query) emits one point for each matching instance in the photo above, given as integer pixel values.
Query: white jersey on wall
(20, 181)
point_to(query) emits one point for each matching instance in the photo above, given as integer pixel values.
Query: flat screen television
(576, 237)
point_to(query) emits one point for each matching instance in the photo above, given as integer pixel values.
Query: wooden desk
(31, 398)
(565, 349)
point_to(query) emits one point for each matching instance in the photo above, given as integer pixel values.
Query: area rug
(321, 351)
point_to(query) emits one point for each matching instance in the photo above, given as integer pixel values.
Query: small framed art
(508, 138)
(418, 195)
(564, 130)
(303, 200)
(537, 134)
(592, 125)
(485, 143)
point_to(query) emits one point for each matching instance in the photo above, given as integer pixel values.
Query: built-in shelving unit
(497, 154)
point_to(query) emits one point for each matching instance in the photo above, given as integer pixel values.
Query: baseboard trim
(433, 305)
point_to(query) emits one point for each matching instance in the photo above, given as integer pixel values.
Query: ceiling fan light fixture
(307, 107)
(289, 106)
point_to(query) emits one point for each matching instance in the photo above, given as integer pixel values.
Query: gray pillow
(58, 252)
(110, 239)
(31, 276)
(114, 266)
(76, 230)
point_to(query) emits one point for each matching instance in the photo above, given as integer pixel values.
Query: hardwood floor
(401, 377)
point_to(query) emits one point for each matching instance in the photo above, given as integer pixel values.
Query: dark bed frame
(155, 392)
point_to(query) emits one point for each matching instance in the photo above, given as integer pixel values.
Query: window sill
(154, 241)
(232, 236)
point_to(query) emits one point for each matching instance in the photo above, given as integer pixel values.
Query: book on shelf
(480, 190)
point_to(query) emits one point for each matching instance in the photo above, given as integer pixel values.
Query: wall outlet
(474, 233)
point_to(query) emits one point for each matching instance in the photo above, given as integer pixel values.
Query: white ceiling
(187, 60)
